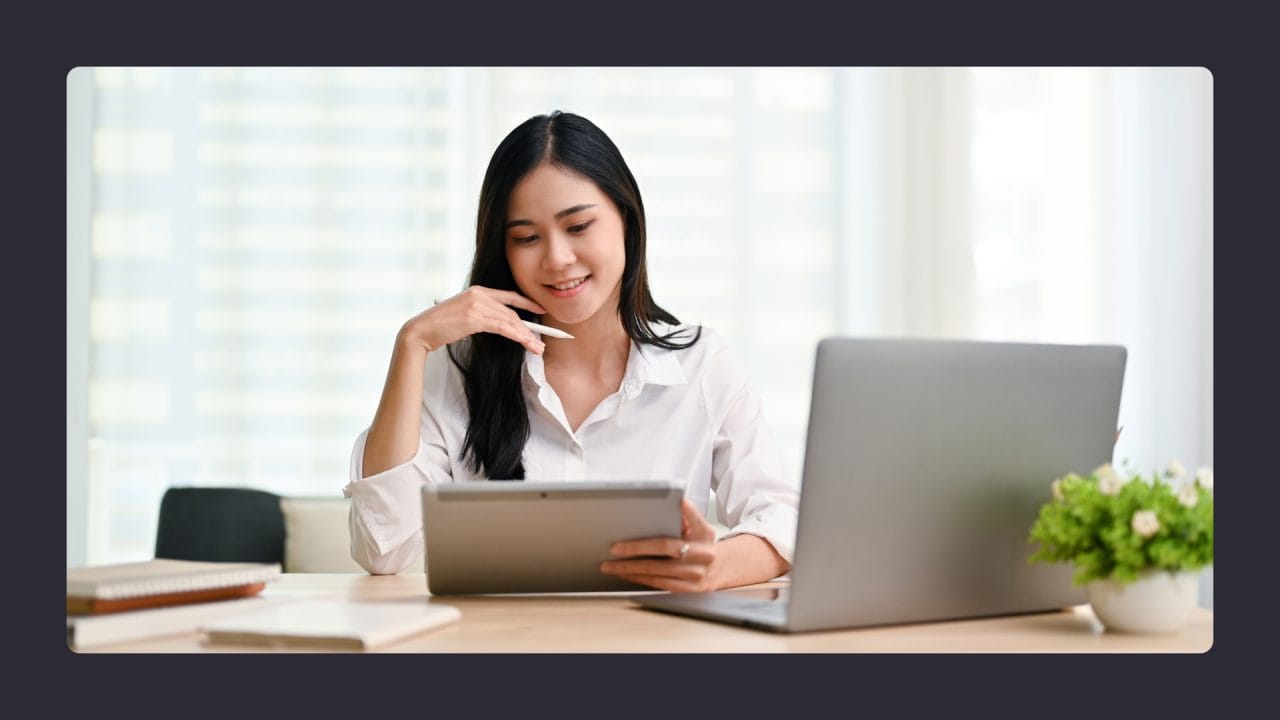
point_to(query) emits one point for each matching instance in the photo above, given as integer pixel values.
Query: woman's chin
(569, 316)
(567, 321)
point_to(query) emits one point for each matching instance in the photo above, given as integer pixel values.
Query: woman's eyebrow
(562, 213)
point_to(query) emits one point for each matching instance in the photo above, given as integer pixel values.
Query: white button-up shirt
(686, 415)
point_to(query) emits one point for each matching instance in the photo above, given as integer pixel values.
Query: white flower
(1057, 490)
(1145, 523)
(1204, 478)
(1109, 482)
(1175, 469)
(1188, 495)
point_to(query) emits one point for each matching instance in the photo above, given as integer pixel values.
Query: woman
(472, 394)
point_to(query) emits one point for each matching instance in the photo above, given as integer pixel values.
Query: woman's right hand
(474, 310)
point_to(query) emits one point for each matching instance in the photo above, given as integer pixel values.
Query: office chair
(220, 524)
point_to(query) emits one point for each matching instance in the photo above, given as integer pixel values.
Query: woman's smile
(569, 288)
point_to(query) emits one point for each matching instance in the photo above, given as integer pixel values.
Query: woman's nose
(559, 252)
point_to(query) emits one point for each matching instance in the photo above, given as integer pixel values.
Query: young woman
(472, 394)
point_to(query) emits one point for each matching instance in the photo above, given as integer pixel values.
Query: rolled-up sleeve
(754, 493)
(386, 508)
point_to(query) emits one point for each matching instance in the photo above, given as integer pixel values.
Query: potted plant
(1137, 543)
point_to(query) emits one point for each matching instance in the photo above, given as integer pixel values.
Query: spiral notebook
(161, 582)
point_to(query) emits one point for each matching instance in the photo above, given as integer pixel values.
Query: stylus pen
(539, 328)
(547, 330)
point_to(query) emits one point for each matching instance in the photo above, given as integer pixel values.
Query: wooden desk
(606, 623)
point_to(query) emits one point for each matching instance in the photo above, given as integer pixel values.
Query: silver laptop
(925, 466)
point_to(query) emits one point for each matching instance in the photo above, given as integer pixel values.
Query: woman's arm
(393, 436)
(745, 560)
(405, 446)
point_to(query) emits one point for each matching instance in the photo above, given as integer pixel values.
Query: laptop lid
(926, 463)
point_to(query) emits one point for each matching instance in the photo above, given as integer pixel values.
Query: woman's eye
(575, 229)
(524, 240)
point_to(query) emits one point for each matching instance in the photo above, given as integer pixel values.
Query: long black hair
(491, 364)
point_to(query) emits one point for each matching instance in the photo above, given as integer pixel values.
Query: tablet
(539, 536)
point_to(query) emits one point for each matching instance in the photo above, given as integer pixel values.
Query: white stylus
(539, 328)
(547, 330)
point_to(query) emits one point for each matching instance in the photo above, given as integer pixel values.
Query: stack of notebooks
(128, 601)
(158, 583)
(112, 604)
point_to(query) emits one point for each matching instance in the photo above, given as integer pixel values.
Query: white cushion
(317, 538)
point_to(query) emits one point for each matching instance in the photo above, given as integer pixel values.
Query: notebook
(926, 462)
(103, 630)
(335, 624)
(153, 583)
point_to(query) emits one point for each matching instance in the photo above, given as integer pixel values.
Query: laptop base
(756, 609)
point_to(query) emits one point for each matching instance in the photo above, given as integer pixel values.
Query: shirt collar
(653, 365)
(646, 365)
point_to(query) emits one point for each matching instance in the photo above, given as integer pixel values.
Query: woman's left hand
(685, 564)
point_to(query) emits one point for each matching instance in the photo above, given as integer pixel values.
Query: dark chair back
(220, 524)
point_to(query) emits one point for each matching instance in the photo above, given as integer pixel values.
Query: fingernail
(606, 567)
(615, 550)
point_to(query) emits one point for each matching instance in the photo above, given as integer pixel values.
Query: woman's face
(565, 244)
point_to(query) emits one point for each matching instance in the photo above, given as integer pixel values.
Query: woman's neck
(600, 346)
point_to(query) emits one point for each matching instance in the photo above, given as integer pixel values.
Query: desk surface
(610, 622)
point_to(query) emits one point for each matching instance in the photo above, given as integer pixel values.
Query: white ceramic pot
(1159, 601)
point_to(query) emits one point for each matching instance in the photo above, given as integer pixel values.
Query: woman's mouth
(569, 288)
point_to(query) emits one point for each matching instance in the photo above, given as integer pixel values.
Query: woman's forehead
(548, 189)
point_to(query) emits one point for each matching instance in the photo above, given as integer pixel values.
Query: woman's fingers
(479, 293)
(515, 299)
(694, 524)
(662, 582)
(503, 321)
(481, 309)
(692, 565)
(650, 547)
(656, 568)
(510, 324)
(693, 574)
(664, 562)
(698, 535)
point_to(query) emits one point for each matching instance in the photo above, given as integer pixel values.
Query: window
(243, 243)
